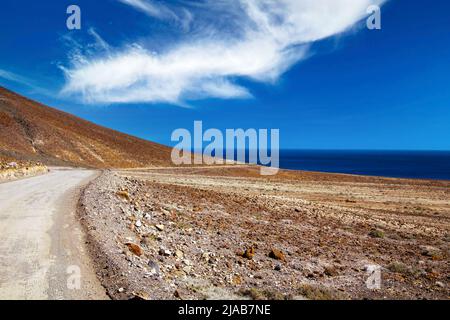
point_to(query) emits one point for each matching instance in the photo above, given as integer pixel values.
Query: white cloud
(252, 39)
(29, 83)
(160, 11)
(99, 41)
(14, 77)
(151, 8)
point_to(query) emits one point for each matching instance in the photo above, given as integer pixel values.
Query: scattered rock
(249, 253)
(187, 262)
(179, 254)
(154, 267)
(165, 252)
(205, 256)
(237, 280)
(13, 165)
(136, 249)
(210, 240)
(187, 269)
(331, 271)
(124, 195)
(277, 255)
(142, 296)
(432, 252)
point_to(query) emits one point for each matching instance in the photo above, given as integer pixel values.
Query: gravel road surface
(42, 246)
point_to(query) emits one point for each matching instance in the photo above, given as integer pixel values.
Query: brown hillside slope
(32, 131)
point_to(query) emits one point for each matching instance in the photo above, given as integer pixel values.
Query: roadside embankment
(16, 170)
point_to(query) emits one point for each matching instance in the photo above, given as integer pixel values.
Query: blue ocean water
(397, 164)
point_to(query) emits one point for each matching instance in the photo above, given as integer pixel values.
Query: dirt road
(41, 242)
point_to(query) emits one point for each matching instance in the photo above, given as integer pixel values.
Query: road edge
(101, 260)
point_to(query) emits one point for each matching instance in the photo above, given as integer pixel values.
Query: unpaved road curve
(41, 240)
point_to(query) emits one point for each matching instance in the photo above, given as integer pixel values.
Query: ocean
(396, 164)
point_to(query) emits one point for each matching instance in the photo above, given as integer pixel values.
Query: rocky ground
(12, 170)
(220, 233)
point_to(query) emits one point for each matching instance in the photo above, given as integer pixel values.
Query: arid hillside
(34, 132)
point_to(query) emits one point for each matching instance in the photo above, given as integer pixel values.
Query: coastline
(433, 165)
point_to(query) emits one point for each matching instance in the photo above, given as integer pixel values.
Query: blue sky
(326, 82)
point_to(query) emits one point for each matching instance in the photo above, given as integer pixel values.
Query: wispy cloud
(99, 41)
(10, 76)
(161, 11)
(151, 8)
(29, 83)
(253, 39)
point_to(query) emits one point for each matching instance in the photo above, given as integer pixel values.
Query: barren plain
(227, 233)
